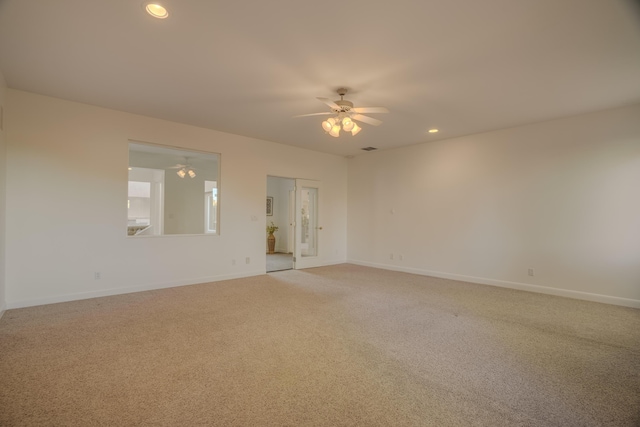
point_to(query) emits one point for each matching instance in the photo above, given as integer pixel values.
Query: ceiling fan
(345, 115)
(184, 170)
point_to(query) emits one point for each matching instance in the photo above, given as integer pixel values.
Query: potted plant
(271, 239)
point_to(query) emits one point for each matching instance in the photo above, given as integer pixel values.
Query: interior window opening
(165, 191)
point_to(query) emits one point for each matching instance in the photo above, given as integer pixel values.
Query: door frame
(294, 240)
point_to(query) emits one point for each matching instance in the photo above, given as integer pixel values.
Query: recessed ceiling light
(433, 130)
(156, 10)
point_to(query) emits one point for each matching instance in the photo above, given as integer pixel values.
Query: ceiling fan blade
(370, 110)
(329, 102)
(314, 114)
(365, 119)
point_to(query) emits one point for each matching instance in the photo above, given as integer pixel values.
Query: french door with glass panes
(308, 227)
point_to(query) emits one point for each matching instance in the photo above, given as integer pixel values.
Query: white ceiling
(248, 67)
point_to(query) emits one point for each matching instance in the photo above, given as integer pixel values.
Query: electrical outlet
(97, 275)
(530, 272)
(401, 257)
(233, 262)
(391, 257)
(247, 260)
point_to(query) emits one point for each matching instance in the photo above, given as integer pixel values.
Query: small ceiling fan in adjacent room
(345, 115)
(184, 170)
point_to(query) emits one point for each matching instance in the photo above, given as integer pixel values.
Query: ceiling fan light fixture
(345, 115)
(191, 173)
(347, 125)
(181, 173)
(156, 10)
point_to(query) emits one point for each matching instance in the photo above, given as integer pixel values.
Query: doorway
(281, 212)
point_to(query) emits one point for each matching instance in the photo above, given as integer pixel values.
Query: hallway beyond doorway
(279, 261)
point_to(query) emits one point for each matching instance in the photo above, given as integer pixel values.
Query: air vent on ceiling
(369, 148)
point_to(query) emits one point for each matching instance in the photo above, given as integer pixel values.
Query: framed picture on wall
(269, 206)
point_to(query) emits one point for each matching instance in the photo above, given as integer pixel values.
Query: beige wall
(66, 203)
(3, 107)
(561, 197)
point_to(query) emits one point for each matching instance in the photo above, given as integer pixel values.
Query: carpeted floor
(333, 346)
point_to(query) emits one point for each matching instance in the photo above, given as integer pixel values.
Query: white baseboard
(325, 263)
(127, 290)
(3, 308)
(626, 302)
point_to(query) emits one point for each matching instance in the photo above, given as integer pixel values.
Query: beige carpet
(333, 346)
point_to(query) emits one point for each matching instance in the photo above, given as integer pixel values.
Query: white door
(291, 231)
(308, 228)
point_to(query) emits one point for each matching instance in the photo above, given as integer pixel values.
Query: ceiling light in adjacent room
(433, 130)
(186, 170)
(156, 10)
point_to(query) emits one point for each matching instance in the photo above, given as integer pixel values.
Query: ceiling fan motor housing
(345, 106)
